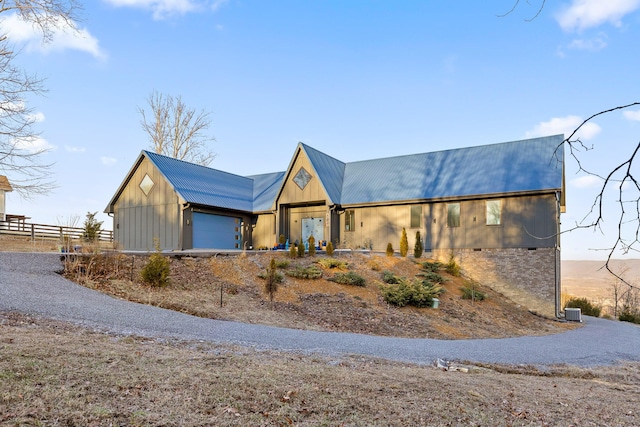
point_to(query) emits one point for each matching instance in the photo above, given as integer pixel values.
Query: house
(495, 208)
(5, 187)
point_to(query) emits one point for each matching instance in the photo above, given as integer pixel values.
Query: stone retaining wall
(528, 277)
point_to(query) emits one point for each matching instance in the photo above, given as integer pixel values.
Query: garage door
(216, 231)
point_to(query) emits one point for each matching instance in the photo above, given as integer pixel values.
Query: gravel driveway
(29, 284)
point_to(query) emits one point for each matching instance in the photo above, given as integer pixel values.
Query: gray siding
(140, 218)
(526, 222)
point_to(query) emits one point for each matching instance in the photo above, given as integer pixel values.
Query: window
(453, 215)
(493, 212)
(302, 178)
(416, 215)
(349, 220)
(146, 185)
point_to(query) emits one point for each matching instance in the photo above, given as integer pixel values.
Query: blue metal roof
(330, 172)
(265, 190)
(205, 186)
(511, 167)
(530, 165)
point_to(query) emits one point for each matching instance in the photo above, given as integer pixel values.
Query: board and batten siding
(526, 222)
(312, 192)
(264, 231)
(140, 218)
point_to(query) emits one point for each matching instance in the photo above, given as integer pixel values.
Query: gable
(4, 184)
(518, 167)
(302, 182)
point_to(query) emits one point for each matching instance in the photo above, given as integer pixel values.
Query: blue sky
(356, 80)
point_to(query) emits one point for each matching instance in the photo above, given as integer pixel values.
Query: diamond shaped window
(302, 178)
(146, 185)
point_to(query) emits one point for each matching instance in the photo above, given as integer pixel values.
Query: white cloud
(72, 149)
(37, 117)
(164, 8)
(217, 4)
(108, 161)
(33, 144)
(565, 125)
(63, 37)
(592, 45)
(583, 14)
(586, 181)
(632, 115)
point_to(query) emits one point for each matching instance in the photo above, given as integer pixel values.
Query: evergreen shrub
(585, 306)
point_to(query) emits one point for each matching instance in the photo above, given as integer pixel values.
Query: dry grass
(228, 288)
(92, 379)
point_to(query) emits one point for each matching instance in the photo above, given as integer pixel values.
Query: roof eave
(450, 199)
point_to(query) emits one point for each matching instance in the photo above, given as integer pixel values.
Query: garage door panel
(216, 231)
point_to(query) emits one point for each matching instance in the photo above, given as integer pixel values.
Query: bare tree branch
(621, 176)
(177, 131)
(21, 148)
(515, 5)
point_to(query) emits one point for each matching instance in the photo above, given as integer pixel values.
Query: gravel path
(29, 284)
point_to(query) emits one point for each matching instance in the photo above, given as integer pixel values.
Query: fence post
(33, 233)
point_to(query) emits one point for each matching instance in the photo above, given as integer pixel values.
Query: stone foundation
(525, 276)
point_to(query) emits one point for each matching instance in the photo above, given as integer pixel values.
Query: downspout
(182, 224)
(557, 259)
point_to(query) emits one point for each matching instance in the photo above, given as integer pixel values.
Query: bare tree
(621, 179)
(177, 131)
(21, 157)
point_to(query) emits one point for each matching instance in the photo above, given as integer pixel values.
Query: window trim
(419, 214)
(451, 223)
(349, 220)
(489, 215)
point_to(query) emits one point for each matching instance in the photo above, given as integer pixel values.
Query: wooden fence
(53, 232)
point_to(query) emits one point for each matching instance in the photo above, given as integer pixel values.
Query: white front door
(312, 227)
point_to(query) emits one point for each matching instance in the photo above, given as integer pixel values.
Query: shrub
(349, 278)
(390, 278)
(293, 251)
(470, 292)
(329, 249)
(312, 272)
(282, 240)
(404, 243)
(433, 266)
(301, 250)
(452, 267)
(417, 293)
(333, 263)
(432, 277)
(389, 249)
(156, 271)
(272, 277)
(585, 306)
(91, 227)
(312, 245)
(629, 315)
(282, 263)
(418, 248)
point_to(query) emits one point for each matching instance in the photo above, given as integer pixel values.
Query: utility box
(573, 314)
(435, 303)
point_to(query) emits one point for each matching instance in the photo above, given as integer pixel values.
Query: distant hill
(590, 279)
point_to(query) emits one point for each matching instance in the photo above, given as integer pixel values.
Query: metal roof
(511, 167)
(205, 186)
(265, 189)
(524, 166)
(330, 172)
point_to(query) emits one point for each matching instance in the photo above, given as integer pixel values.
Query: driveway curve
(29, 284)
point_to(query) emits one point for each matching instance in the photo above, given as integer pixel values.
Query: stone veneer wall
(525, 276)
